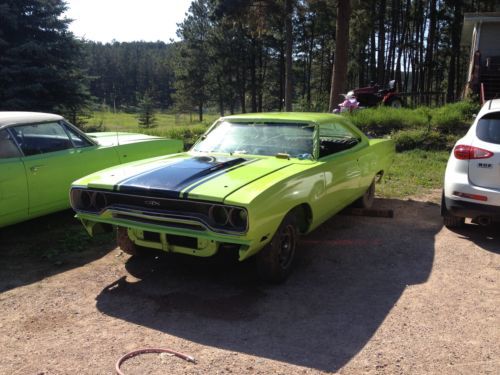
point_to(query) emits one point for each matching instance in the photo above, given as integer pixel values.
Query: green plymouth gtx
(41, 154)
(251, 184)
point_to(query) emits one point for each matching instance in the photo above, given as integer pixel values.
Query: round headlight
(100, 201)
(85, 201)
(218, 215)
(238, 218)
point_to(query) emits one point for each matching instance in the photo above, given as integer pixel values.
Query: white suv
(472, 179)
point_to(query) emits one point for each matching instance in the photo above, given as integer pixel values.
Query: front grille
(168, 212)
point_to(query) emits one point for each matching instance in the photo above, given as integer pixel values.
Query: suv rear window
(488, 128)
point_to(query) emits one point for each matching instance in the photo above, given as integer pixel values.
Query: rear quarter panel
(378, 157)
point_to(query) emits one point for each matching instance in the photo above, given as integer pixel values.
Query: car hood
(119, 138)
(210, 178)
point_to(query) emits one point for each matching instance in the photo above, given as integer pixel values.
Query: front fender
(275, 201)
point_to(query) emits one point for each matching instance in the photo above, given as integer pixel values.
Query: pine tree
(147, 117)
(40, 60)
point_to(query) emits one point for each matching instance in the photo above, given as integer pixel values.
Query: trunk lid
(486, 172)
(109, 139)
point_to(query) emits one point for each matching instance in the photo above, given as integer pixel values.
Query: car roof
(284, 116)
(493, 105)
(13, 118)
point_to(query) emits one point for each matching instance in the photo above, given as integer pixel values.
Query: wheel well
(303, 214)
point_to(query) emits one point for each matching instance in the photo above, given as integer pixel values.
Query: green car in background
(252, 184)
(42, 154)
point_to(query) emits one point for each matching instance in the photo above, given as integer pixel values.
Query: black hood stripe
(211, 177)
(171, 179)
(124, 182)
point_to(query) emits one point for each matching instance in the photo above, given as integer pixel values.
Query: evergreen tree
(191, 71)
(40, 60)
(147, 117)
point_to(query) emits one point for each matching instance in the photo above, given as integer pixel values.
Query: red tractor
(373, 95)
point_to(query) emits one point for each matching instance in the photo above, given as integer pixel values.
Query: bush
(424, 140)
(385, 120)
(189, 134)
(454, 118)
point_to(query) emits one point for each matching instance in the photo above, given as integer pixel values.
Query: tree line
(235, 55)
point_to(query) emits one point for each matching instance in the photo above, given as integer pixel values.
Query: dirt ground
(368, 295)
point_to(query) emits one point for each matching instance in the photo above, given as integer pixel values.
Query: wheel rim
(396, 104)
(286, 246)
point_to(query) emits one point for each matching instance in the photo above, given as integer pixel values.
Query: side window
(78, 140)
(8, 148)
(41, 138)
(335, 138)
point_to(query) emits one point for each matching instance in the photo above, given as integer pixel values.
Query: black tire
(449, 220)
(395, 103)
(275, 260)
(126, 244)
(366, 201)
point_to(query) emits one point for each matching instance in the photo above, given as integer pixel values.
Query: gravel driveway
(368, 295)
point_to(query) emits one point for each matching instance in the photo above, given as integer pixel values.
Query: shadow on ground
(42, 247)
(486, 237)
(350, 273)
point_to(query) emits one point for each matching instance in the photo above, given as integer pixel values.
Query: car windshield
(488, 128)
(268, 138)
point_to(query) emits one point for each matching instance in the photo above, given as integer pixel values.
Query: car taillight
(465, 152)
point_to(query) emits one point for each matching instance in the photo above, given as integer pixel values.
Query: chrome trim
(160, 217)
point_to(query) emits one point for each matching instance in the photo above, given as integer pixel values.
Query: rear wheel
(366, 201)
(396, 103)
(275, 260)
(450, 220)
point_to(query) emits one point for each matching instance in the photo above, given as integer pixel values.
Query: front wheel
(126, 244)
(275, 260)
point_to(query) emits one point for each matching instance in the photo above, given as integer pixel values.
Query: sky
(126, 20)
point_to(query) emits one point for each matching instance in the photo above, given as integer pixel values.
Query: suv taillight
(465, 152)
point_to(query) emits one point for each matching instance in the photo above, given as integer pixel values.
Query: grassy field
(128, 121)
(413, 173)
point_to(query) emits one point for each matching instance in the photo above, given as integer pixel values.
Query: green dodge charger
(251, 184)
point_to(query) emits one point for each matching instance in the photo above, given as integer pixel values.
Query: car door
(89, 157)
(49, 163)
(55, 155)
(13, 184)
(339, 154)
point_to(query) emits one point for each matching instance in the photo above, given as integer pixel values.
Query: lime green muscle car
(42, 154)
(251, 184)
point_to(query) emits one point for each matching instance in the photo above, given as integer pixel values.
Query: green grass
(414, 173)
(128, 121)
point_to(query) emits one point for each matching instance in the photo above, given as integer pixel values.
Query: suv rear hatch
(484, 170)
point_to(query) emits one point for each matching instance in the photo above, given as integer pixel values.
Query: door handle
(35, 168)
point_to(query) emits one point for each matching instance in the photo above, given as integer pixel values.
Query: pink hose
(150, 350)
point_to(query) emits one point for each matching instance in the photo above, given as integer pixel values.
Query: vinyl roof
(14, 118)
